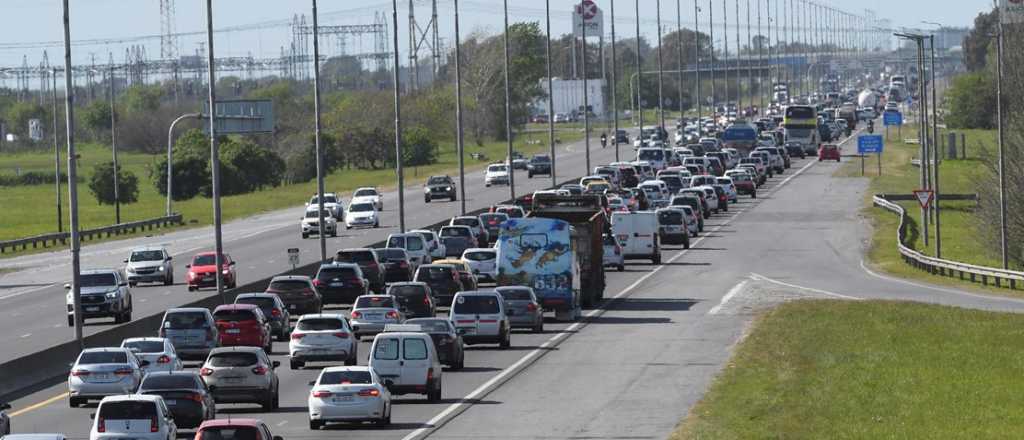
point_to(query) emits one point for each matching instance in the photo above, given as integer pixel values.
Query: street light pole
(711, 62)
(214, 155)
(69, 114)
(320, 168)
(1003, 232)
(639, 77)
(586, 89)
(613, 88)
(56, 150)
(459, 138)
(508, 112)
(661, 74)
(398, 122)
(935, 152)
(679, 43)
(113, 147)
(696, 64)
(170, 156)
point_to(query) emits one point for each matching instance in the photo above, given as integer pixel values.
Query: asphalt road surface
(635, 365)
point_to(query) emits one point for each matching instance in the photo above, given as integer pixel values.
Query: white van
(137, 416)
(414, 245)
(654, 156)
(407, 363)
(481, 318)
(638, 234)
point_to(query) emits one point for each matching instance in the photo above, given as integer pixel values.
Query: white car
(332, 203)
(322, 337)
(367, 194)
(362, 215)
(101, 372)
(348, 394)
(497, 174)
(613, 253)
(729, 188)
(311, 223)
(135, 416)
(434, 245)
(483, 263)
(159, 352)
(711, 196)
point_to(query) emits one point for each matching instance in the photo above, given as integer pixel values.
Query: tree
(970, 101)
(96, 117)
(976, 43)
(141, 99)
(418, 148)
(191, 174)
(254, 167)
(18, 115)
(101, 184)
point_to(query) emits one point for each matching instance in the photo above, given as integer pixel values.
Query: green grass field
(30, 210)
(871, 369)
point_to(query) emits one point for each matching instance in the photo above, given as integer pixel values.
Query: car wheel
(539, 327)
(656, 258)
(169, 281)
(753, 195)
(454, 198)
(506, 340)
(295, 365)
(71, 321)
(426, 200)
(268, 402)
(133, 284)
(233, 284)
(686, 244)
(315, 425)
(434, 395)
(621, 267)
(277, 400)
(74, 402)
(376, 225)
(305, 236)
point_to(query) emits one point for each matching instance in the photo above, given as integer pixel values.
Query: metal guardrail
(938, 266)
(46, 240)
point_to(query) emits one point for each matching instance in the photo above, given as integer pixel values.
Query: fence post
(963, 143)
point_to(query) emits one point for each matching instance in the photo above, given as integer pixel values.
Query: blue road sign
(892, 118)
(869, 144)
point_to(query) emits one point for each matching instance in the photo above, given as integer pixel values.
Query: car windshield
(147, 256)
(327, 199)
(205, 260)
(366, 192)
(144, 346)
(169, 381)
(455, 232)
(434, 273)
(497, 168)
(233, 359)
(540, 159)
(360, 207)
(476, 305)
(288, 285)
(672, 180)
(407, 290)
(103, 357)
(319, 324)
(366, 302)
(354, 257)
(313, 214)
(466, 221)
(479, 255)
(97, 280)
(127, 410)
(438, 181)
(345, 377)
(651, 155)
(230, 433)
(185, 320)
(517, 213)
(431, 325)
(724, 181)
(515, 294)
(798, 132)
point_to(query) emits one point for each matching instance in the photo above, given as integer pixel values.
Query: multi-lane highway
(635, 365)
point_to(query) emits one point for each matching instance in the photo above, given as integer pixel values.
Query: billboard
(1011, 11)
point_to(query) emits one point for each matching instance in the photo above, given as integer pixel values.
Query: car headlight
(130, 269)
(225, 271)
(447, 188)
(112, 295)
(161, 268)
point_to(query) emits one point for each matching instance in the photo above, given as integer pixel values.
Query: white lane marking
(938, 289)
(25, 335)
(23, 292)
(282, 423)
(782, 283)
(728, 296)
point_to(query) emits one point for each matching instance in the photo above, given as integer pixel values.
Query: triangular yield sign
(924, 197)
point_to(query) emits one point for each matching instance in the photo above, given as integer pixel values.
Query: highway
(33, 296)
(635, 365)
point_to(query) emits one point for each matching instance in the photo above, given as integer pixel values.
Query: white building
(568, 96)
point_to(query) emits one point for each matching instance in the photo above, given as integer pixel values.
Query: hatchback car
(432, 243)
(447, 341)
(414, 299)
(522, 307)
(466, 275)
(483, 262)
(192, 330)
(367, 194)
(184, 393)
(242, 325)
(340, 283)
(612, 255)
(672, 227)
(322, 337)
(310, 223)
(242, 375)
(142, 417)
(481, 316)
(348, 394)
(368, 263)
(273, 309)
(371, 313)
(235, 428)
(395, 264)
(828, 152)
(202, 271)
(149, 265)
(729, 188)
(474, 223)
(158, 352)
(443, 280)
(101, 372)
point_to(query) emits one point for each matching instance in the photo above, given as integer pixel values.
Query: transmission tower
(168, 38)
(423, 38)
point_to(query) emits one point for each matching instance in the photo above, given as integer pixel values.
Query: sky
(31, 26)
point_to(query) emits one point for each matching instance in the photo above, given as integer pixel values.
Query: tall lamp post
(69, 114)
(316, 138)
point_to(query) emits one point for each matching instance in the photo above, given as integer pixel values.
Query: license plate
(343, 399)
(511, 313)
(337, 284)
(100, 376)
(291, 306)
(232, 380)
(469, 330)
(374, 316)
(207, 278)
(170, 402)
(92, 309)
(232, 331)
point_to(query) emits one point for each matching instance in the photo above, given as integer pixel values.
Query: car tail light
(392, 314)
(275, 313)
(196, 397)
(205, 371)
(356, 315)
(618, 249)
(123, 371)
(369, 392)
(163, 359)
(321, 393)
(341, 335)
(101, 425)
(296, 335)
(430, 374)
(403, 263)
(79, 373)
(153, 425)
(531, 307)
(426, 300)
(316, 283)
(259, 370)
(307, 292)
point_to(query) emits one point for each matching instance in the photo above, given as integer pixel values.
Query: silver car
(241, 375)
(322, 337)
(191, 330)
(522, 307)
(101, 372)
(371, 313)
(159, 352)
(149, 265)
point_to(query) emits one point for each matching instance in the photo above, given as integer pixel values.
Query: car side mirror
(123, 283)
(312, 383)
(460, 331)
(275, 364)
(92, 416)
(231, 263)
(124, 261)
(67, 286)
(388, 383)
(169, 258)
(188, 266)
(143, 363)
(277, 437)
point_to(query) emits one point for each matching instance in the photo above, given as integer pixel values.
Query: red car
(235, 428)
(828, 152)
(202, 272)
(242, 325)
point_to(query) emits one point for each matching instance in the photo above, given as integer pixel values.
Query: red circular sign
(589, 9)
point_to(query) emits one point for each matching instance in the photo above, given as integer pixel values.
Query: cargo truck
(587, 215)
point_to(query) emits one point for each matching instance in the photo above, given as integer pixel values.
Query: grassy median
(870, 369)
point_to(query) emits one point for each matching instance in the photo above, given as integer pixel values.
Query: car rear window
(233, 359)
(433, 273)
(288, 285)
(392, 254)
(330, 273)
(258, 301)
(479, 255)
(374, 301)
(408, 290)
(145, 346)
(431, 325)
(386, 349)
(234, 315)
(455, 232)
(103, 357)
(466, 221)
(515, 294)
(230, 433)
(345, 377)
(669, 217)
(320, 324)
(147, 256)
(609, 240)
(169, 381)
(185, 320)
(127, 410)
(414, 349)
(476, 305)
(354, 257)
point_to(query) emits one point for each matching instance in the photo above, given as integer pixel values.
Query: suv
(396, 264)
(443, 280)
(297, 292)
(340, 282)
(322, 337)
(191, 330)
(332, 203)
(273, 308)
(492, 223)
(439, 187)
(310, 223)
(480, 315)
(242, 325)
(104, 293)
(202, 271)
(539, 164)
(149, 265)
(457, 239)
(367, 261)
(474, 223)
(242, 375)
(414, 299)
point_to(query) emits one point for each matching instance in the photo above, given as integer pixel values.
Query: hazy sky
(30, 26)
